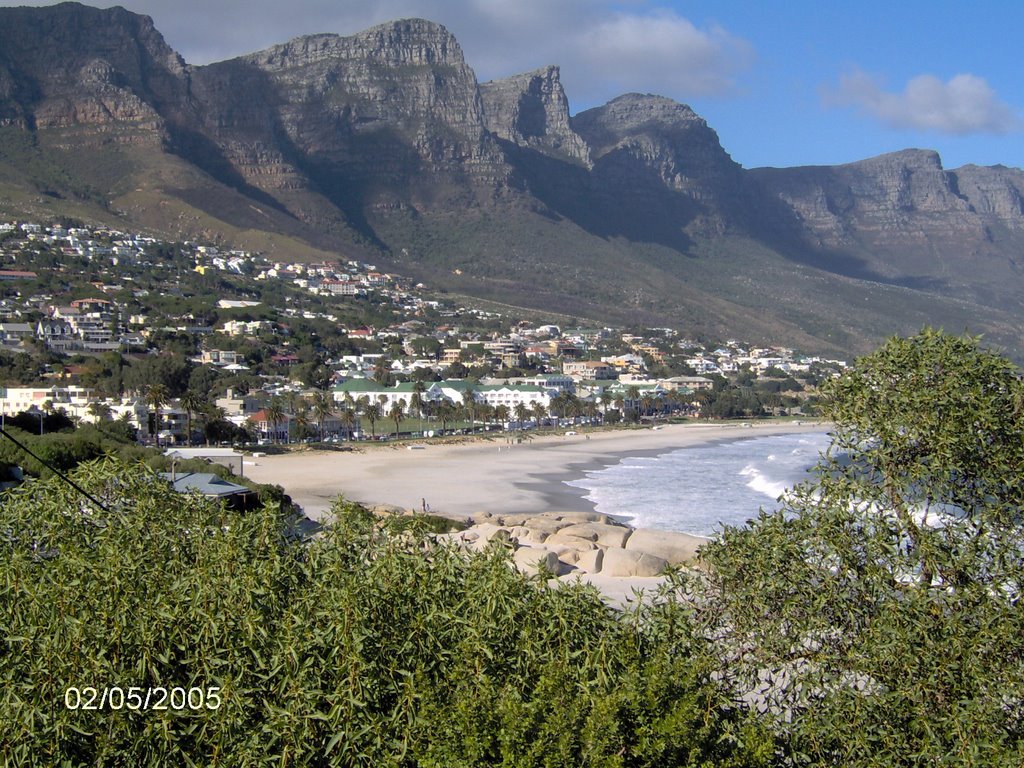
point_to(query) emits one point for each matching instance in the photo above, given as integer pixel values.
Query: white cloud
(662, 51)
(963, 105)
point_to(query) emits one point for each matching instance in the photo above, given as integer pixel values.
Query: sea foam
(701, 488)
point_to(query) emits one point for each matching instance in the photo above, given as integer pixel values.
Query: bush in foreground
(363, 647)
(876, 617)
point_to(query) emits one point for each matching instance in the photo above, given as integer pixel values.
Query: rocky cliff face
(996, 193)
(645, 146)
(71, 65)
(531, 110)
(905, 196)
(388, 115)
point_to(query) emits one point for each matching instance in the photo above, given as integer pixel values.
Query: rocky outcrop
(388, 116)
(531, 110)
(657, 160)
(564, 543)
(995, 193)
(904, 195)
(71, 65)
(911, 222)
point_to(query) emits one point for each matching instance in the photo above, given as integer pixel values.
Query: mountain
(384, 145)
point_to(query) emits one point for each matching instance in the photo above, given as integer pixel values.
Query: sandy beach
(496, 476)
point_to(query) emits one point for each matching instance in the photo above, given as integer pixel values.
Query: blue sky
(783, 84)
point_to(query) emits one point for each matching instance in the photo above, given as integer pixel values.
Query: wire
(55, 471)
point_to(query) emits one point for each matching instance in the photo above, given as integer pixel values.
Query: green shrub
(364, 647)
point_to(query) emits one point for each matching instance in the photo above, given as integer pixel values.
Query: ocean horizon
(700, 489)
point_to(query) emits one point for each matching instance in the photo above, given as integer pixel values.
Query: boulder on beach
(530, 559)
(581, 517)
(544, 524)
(514, 520)
(675, 548)
(624, 562)
(566, 555)
(387, 510)
(601, 533)
(564, 539)
(590, 561)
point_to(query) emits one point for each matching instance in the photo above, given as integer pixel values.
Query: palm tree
(100, 411)
(646, 404)
(372, 414)
(633, 395)
(416, 401)
(446, 412)
(275, 415)
(192, 402)
(606, 400)
(521, 412)
(301, 421)
(396, 414)
(213, 419)
(348, 421)
(323, 402)
(702, 400)
(156, 397)
(539, 412)
(469, 404)
(501, 414)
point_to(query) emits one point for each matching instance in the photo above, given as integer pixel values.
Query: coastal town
(186, 343)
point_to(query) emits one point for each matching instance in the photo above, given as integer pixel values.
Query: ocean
(698, 489)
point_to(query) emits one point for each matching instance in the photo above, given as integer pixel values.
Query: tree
(397, 414)
(522, 414)
(351, 649)
(446, 412)
(372, 414)
(469, 404)
(347, 417)
(156, 398)
(539, 412)
(416, 401)
(300, 427)
(275, 415)
(880, 602)
(382, 372)
(323, 405)
(100, 411)
(501, 414)
(192, 402)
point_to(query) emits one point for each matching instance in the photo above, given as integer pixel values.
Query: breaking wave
(702, 488)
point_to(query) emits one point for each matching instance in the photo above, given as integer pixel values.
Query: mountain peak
(415, 42)
(531, 109)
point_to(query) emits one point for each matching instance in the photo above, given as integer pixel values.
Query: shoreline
(464, 480)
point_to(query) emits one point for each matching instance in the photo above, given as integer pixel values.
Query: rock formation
(563, 543)
(531, 110)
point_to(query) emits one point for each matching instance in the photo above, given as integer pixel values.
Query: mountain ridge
(385, 143)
